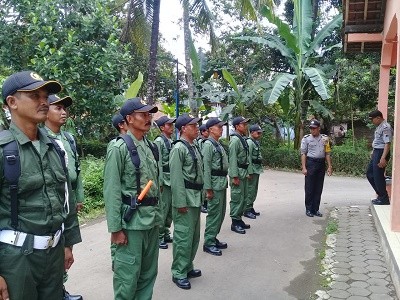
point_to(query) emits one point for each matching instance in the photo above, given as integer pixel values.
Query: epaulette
(307, 135)
(6, 137)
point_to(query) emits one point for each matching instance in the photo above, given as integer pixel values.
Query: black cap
(202, 127)
(255, 127)
(314, 123)
(238, 120)
(136, 105)
(375, 113)
(66, 101)
(185, 119)
(215, 121)
(27, 81)
(164, 120)
(116, 120)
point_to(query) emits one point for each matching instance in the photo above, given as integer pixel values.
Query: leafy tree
(75, 42)
(299, 48)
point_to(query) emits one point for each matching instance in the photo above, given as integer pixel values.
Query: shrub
(345, 159)
(92, 177)
(92, 148)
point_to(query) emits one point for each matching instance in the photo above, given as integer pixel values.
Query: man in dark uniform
(56, 118)
(164, 144)
(379, 157)
(315, 150)
(39, 223)
(187, 187)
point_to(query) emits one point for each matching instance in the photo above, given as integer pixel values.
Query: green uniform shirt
(212, 160)
(183, 168)
(164, 159)
(76, 180)
(41, 190)
(255, 154)
(120, 179)
(237, 155)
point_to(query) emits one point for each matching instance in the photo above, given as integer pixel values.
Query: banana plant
(297, 45)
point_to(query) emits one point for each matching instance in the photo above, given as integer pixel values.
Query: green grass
(332, 227)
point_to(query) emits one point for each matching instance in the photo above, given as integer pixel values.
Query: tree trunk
(187, 37)
(151, 82)
(127, 28)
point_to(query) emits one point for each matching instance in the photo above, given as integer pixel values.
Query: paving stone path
(354, 262)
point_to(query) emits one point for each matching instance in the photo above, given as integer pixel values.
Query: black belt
(147, 201)
(243, 166)
(257, 161)
(219, 173)
(322, 159)
(193, 186)
(165, 169)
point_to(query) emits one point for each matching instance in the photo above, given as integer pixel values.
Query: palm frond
(278, 85)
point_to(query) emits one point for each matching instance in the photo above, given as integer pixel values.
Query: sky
(170, 13)
(171, 30)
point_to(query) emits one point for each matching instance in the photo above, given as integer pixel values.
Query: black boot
(67, 296)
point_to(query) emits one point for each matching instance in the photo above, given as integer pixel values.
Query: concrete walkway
(275, 259)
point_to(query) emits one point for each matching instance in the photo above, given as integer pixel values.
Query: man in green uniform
(164, 145)
(238, 173)
(119, 124)
(187, 186)
(215, 162)
(255, 169)
(38, 219)
(57, 117)
(134, 228)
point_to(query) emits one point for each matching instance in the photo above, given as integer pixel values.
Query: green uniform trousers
(166, 200)
(112, 250)
(252, 189)
(238, 198)
(135, 265)
(186, 241)
(215, 217)
(33, 274)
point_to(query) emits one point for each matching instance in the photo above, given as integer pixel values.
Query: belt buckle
(50, 242)
(16, 233)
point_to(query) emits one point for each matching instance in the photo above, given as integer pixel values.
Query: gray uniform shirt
(383, 135)
(315, 147)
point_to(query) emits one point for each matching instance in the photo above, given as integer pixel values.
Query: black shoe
(163, 245)
(220, 245)
(67, 296)
(167, 239)
(183, 283)
(213, 250)
(318, 214)
(204, 209)
(244, 225)
(309, 213)
(256, 213)
(380, 202)
(194, 273)
(249, 214)
(238, 229)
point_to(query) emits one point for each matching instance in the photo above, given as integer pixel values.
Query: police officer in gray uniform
(379, 157)
(315, 150)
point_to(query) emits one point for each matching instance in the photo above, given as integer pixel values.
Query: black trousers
(314, 183)
(376, 175)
